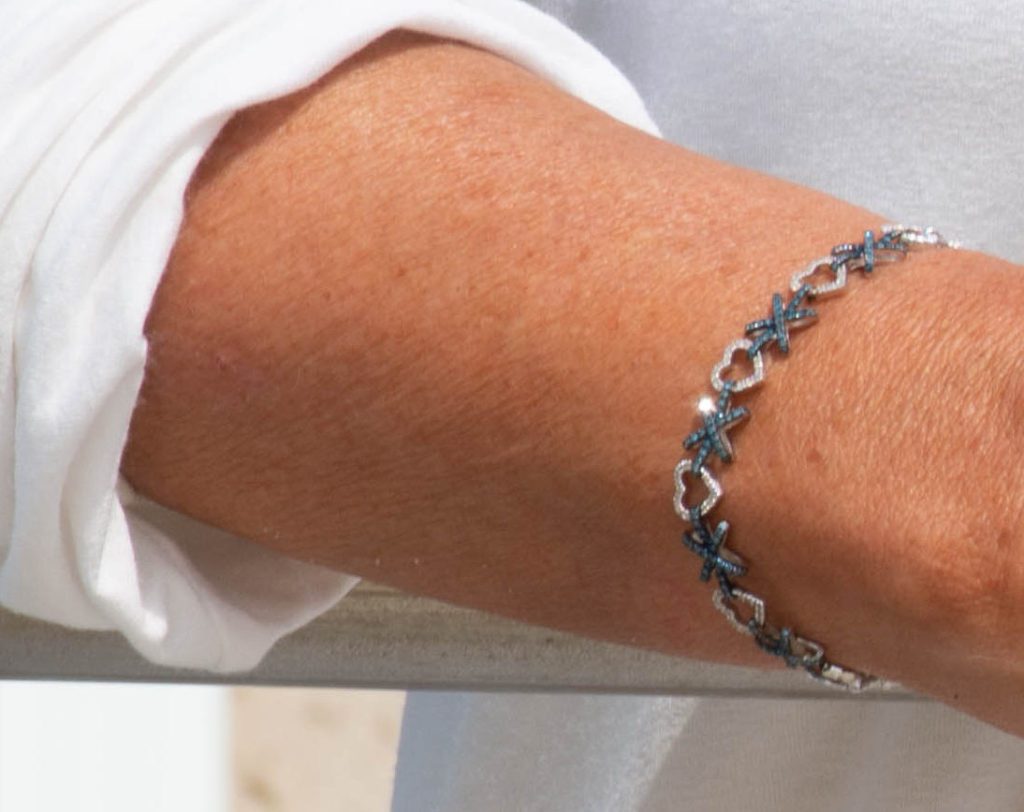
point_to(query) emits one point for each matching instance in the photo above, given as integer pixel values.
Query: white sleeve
(107, 107)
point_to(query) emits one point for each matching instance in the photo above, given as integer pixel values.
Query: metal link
(812, 653)
(714, 491)
(725, 606)
(753, 379)
(847, 679)
(838, 282)
(717, 417)
(915, 236)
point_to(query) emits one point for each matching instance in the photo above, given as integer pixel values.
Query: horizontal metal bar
(377, 637)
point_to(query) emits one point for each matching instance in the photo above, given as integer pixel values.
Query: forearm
(436, 323)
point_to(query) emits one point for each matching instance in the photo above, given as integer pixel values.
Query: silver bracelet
(707, 539)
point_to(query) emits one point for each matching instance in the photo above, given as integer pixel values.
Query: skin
(434, 322)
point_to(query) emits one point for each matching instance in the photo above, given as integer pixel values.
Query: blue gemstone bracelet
(707, 538)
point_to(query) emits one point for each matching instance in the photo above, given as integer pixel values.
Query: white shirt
(108, 105)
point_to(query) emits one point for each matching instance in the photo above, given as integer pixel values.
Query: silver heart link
(809, 654)
(714, 490)
(753, 379)
(724, 605)
(838, 283)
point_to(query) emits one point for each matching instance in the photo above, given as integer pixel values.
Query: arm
(436, 323)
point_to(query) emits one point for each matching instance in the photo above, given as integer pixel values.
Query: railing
(377, 637)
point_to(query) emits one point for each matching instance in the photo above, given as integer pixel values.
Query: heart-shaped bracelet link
(707, 538)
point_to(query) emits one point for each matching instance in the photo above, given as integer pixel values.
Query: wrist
(892, 453)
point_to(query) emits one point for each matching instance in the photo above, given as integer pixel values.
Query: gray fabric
(912, 109)
(545, 753)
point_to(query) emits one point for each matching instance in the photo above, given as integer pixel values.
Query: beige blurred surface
(314, 749)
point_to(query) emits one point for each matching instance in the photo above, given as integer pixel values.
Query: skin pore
(434, 322)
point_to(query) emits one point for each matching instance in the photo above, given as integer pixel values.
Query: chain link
(744, 610)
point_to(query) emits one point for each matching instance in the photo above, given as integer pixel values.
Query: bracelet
(706, 538)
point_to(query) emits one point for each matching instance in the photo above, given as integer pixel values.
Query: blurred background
(154, 748)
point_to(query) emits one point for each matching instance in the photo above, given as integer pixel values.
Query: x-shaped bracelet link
(707, 538)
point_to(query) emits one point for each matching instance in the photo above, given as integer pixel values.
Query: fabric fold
(108, 108)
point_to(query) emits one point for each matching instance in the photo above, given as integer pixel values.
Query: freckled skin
(435, 322)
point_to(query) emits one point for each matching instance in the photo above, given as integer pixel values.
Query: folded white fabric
(107, 107)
